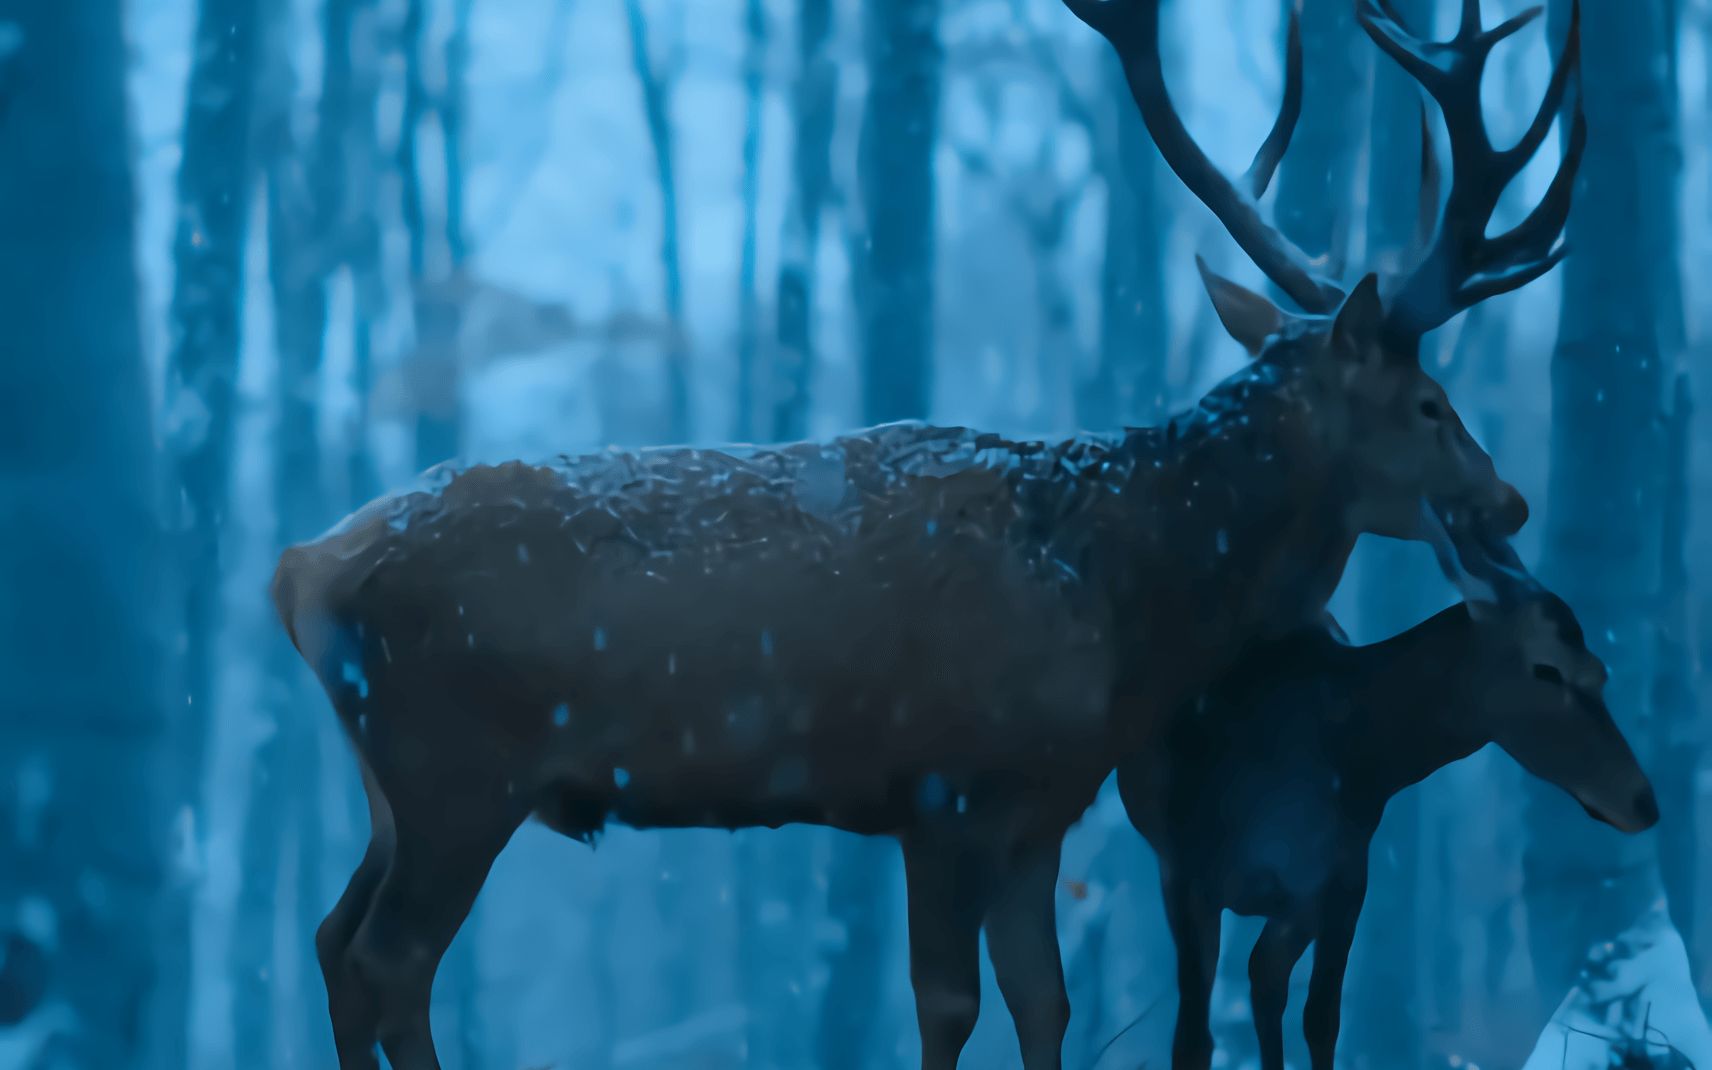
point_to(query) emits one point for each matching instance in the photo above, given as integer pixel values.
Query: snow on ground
(1642, 978)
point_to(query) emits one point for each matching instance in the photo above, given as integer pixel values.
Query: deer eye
(1548, 673)
(1430, 409)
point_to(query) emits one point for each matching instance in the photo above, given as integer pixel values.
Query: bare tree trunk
(1673, 695)
(656, 111)
(359, 241)
(1317, 179)
(436, 318)
(214, 199)
(812, 119)
(283, 767)
(1585, 884)
(748, 311)
(96, 782)
(899, 129)
(1129, 385)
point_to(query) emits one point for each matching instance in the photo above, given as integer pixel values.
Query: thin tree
(215, 177)
(282, 765)
(1317, 178)
(1673, 691)
(88, 741)
(361, 164)
(900, 127)
(748, 301)
(655, 89)
(812, 115)
(1128, 386)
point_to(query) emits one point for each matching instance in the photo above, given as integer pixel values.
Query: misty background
(262, 260)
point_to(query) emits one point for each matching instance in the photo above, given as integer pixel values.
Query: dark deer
(916, 631)
(1266, 791)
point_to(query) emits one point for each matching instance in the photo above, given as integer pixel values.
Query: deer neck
(1415, 702)
(1233, 528)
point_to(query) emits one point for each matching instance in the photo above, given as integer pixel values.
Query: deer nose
(1510, 511)
(1646, 808)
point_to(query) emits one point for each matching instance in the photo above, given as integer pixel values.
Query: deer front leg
(1022, 940)
(1275, 955)
(946, 884)
(1194, 922)
(1340, 911)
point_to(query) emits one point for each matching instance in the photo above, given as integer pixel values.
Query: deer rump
(844, 634)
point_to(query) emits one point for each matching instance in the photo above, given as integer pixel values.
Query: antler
(1462, 266)
(1132, 27)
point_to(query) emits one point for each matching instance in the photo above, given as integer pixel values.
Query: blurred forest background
(261, 260)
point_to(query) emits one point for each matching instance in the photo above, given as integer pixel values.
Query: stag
(1266, 790)
(932, 633)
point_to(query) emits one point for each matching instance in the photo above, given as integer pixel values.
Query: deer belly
(1281, 849)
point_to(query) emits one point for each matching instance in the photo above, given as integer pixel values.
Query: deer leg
(349, 1008)
(1195, 932)
(945, 884)
(437, 868)
(1275, 954)
(1022, 940)
(1322, 1012)
(348, 1004)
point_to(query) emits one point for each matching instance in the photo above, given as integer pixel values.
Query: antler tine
(1469, 28)
(1411, 53)
(1461, 266)
(1534, 235)
(1502, 281)
(1509, 26)
(1132, 28)
(1102, 15)
(1271, 152)
(1517, 157)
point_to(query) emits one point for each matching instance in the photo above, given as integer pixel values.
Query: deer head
(1538, 691)
(1388, 424)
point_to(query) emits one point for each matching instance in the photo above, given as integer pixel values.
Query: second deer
(1267, 790)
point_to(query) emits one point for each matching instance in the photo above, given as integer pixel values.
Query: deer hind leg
(1195, 932)
(946, 886)
(1022, 940)
(1322, 1013)
(1275, 954)
(446, 837)
(348, 1004)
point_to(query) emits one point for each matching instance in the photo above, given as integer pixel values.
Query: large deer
(1265, 792)
(932, 633)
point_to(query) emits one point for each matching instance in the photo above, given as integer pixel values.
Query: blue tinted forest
(263, 261)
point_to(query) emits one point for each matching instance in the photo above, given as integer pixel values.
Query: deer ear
(1249, 317)
(1355, 332)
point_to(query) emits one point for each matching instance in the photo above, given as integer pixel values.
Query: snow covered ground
(1639, 982)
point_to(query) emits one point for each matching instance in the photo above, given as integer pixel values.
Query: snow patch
(1639, 982)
